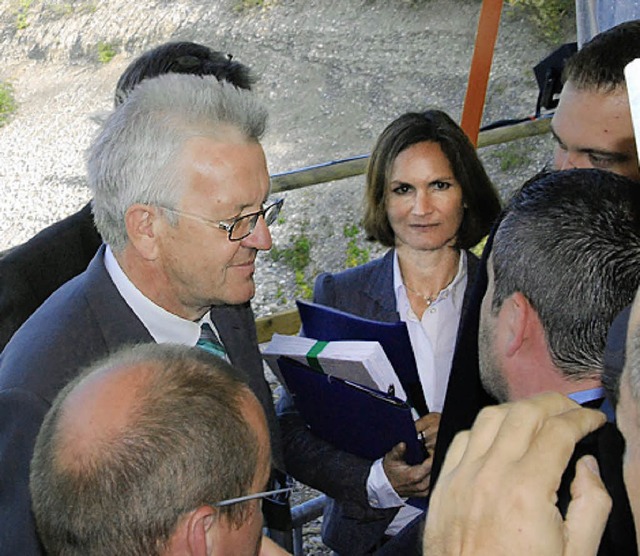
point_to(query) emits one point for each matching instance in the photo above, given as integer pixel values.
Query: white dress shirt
(433, 339)
(164, 327)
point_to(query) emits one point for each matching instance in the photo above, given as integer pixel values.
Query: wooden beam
(287, 322)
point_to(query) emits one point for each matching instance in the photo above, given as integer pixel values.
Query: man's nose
(260, 238)
(566, 160)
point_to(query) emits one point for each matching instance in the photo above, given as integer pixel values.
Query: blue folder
(328, 324)
(352, 417)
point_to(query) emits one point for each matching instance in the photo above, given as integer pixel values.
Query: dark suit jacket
(465, 394)
(32, 271)
(607, 446)
(84, 320)
(351, 526)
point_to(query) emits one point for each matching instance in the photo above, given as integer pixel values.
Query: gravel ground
(333, 74)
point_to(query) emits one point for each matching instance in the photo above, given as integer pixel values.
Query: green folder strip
(312, 356)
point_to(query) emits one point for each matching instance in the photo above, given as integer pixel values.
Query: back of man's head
(570, 243)
(186, 58)
(135, 158)
(599, 64)
(136, 442)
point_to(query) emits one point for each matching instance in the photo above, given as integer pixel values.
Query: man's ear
(141, 222)
(517, 315)
(201, 531)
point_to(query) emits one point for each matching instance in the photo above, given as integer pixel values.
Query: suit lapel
(378, 287)
(118, 323)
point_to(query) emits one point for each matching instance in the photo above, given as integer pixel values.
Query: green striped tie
(210, 342)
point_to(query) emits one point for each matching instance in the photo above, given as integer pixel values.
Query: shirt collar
(584, 396)
(401, 291)
(164, 327)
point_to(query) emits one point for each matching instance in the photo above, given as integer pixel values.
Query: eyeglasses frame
(255, 496)
(229, 224)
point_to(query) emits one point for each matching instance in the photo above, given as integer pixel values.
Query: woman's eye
(402, 188)
(440, 185)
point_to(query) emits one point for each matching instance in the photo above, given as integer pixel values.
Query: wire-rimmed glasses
(279, 495)
(241, 226)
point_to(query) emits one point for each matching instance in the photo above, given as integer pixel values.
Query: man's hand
(497, 490)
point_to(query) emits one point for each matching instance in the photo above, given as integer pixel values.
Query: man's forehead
(607, 113)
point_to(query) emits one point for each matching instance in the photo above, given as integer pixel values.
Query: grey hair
(570, 243)
(134, 157)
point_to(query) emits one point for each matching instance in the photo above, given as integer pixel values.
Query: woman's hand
(428, 426)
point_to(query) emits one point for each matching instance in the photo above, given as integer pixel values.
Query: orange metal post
(480, 67)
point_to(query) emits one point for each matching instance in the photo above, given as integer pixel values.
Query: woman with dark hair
(429, 198)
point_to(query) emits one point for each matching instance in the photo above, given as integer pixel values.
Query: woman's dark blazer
(350, 526)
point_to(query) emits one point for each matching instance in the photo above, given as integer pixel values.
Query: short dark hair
(183, 57)
(478, 194)
(186, 444)
(600, 63)
(570, 243)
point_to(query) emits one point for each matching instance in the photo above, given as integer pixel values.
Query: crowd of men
(134, 414)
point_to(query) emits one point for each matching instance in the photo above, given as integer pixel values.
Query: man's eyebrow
(615, 156)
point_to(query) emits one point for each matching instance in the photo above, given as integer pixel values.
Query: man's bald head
(138, 441)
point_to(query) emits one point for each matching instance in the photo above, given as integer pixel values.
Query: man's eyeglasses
(241, 226)
(279, 496)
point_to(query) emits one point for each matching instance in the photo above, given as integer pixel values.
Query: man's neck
(149, 279)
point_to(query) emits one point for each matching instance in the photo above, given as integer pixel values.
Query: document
(327, 324)
(362, 362)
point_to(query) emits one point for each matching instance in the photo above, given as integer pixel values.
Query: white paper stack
(362, 362)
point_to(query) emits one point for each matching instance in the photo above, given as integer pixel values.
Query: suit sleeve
(313, 461)
(324, 290)
(21, 414)
(317, 463)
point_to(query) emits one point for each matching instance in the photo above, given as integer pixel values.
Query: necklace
(429, 299)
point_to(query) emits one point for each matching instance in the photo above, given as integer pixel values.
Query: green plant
(303, 289)
(350, 230)
(547, 15)
(297, 256)
(244, 5)
(8, 104)
(281, 298)
(106, 52)
(21, 14)
(355, 255)
(512, 156)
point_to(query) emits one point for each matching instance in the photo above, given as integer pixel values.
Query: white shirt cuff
(379, 489)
